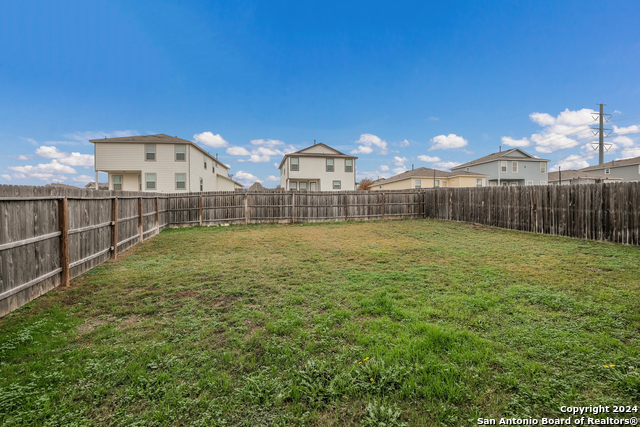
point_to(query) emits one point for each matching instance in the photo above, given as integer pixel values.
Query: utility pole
(601, 134)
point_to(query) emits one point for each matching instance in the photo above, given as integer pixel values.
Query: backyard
(414, 322)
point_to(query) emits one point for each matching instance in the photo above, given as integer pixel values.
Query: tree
(365, 184)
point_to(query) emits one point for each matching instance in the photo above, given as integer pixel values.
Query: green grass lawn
(415, 322)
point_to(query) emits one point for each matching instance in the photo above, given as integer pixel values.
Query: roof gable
(319, 148)
(513, 153)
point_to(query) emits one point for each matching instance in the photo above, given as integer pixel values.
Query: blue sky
(398, 83)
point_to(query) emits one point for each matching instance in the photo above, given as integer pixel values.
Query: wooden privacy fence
(48, 237)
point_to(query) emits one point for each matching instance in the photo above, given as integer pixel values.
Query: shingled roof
(501, 155)
(426, 173)
(614, 164)
(573, 174)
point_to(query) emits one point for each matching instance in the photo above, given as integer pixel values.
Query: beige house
(318, 168)
(428, 178)
(569, 177)
(160, 163)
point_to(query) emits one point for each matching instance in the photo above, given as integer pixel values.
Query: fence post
(200, 210)
(157, 215)
(293, 208)
(419, 204)
(63, 218)
(383, 206)
(140, 220)
(346, 209)
(114, 230)
(246, 209)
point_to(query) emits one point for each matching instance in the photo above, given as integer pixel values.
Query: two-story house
(428, 178)
(159, 163)
(510, 167)
(627, 169)
(318, 168)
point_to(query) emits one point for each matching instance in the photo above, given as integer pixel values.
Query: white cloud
(238, 151)
(246, 178)
(23, 157)
(447, 142)
(267, 142)
(210, 139)
(384, 168)
(43, 168)
(507, 140)
(563, 131)
(272, 178)
(85, 179)
(447, 165)
(84, 137)
(368, 143)
(543, 119)
(622, 141)
(6, 176)
(69, 159)
(628, 129)
(572, 162)
(428, 159)
(631, 152)
(399, 161)
(404, 143)
(276, 165)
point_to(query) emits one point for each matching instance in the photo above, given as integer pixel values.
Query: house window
(529, 182)
(607, 171)
(381, 187)
(293, 185)
(468, 169)
(543, 182)
(418, 183)
(150, 179)
(514, 166)
(478, 182)
(348, 165)
(117, 182)
(303, 185)
(181, 153)
(150, 153)
(503, 165)
(205, 161)
(201, 185)
(514, 184)
(443, 183)
(139, 182)
(295, 164)
(505, 184)
(493, 184)
(329, 165)
(543, 167)
(437, 183)
(181, 181)
(337, 185)
(213, 168)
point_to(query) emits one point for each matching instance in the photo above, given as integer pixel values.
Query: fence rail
(48, 236)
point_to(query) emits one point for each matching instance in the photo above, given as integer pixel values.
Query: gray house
(627, 169)
(510, 167)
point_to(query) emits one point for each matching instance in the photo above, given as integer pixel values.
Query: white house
(160, 163)
(318, 168)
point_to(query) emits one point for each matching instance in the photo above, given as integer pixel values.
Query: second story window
(348, 165)
(150, 153)
(468, 169)
(418, 183)
(295, 164)
(607, 171)
(201, 185)
(543, 167)
(514, 166)
(503, 166)
(205, 161)
(181, 153)
(329, 165)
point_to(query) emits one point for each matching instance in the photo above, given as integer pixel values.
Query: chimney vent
(501, 149)
(411, 166)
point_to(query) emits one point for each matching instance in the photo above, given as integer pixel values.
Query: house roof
(573, 174)
(160, 138)
(426, 173)
(501, 155)
(301, 153)
(229, 179)
(256, 186)
(614, 164)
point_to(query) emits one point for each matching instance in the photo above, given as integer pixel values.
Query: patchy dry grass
(404, 323)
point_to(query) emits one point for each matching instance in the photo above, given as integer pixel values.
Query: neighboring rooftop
(301, 153)
(256, 186)
(576, 174)
(426, 173)
(500, 155)
(160, 138)
(615, 164)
